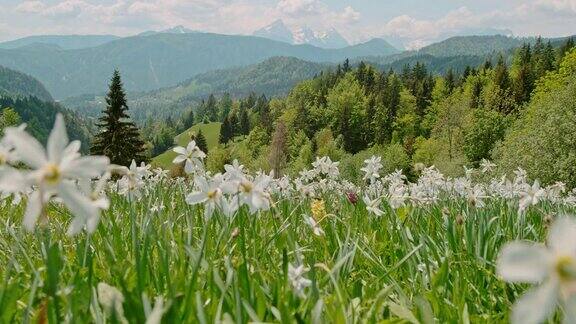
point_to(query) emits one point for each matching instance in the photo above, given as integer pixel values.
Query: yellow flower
(318, 209)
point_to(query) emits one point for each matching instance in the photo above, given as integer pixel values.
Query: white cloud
(31, 7)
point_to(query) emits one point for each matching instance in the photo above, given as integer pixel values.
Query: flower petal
(196, 198)
(80, 206)
(58, 140)
(86, 167)
(33, 210)
(562, 236)
(27, 148)
(524, 262)
(536, 305)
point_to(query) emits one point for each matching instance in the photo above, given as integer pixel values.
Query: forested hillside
(273, 77)
(411, 118)
(14, 83)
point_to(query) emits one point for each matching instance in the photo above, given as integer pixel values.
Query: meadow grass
(210, 130)
(425, 264)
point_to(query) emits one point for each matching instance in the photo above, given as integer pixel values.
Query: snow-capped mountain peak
(302, 35)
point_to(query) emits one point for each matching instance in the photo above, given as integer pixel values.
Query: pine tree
(201, 141)
(226, 131)
(244, 122)
(189, 119)
(119, 138)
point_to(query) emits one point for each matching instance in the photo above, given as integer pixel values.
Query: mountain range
(302, 35)
(161, 59)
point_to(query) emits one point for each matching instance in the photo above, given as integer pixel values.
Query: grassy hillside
(65, 42)
(211, 131)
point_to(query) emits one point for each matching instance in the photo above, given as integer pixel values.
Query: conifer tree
(226, 131)
(119, 138)
(201, 141)
(189, 119)
(244, 122)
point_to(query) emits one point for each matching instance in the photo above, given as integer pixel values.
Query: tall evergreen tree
(244, 122)
(226, 131)
(119, 138)
(201, 141)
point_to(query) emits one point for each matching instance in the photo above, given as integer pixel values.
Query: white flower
(111, 300)
(553, 267)
(486, 166)
(55, 170)
(254, 194)
(372, 168)
(531, 196)
(296, 276)
(373, 205)
(209, 194)
(234, 171)
(155, 316)
(98, 200)
(316, 229)
(192, 155)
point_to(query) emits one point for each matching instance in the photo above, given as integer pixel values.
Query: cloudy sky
(416, 22)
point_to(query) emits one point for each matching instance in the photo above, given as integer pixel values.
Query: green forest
(506, 112)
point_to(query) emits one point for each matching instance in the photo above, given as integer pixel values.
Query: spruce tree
(201, 141)
(244, 122)
(226, 132)
(119, 138)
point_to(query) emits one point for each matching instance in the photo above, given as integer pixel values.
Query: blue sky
(414, 22)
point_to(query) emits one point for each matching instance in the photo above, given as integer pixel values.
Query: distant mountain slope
(65, 42)
(14, 83)
(273, 77)
(161, 60)
(472, 45)
(436, 65)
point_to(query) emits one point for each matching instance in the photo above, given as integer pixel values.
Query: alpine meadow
(287, 161)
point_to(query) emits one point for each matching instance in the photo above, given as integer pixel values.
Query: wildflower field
(84, 241)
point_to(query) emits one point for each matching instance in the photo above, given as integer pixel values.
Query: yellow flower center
(246, 186)
(3, 159)
(566, 268)
(212, 194)
(51, 173)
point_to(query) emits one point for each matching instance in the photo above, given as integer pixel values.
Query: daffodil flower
(553, 267)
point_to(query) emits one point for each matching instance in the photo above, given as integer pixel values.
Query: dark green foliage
(486, 129)
(201, 141)
(226, 131)
(118, 139)
(244, 122)
(40, 116)
(16, 84)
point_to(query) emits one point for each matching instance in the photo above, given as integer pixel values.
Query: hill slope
(14, 83)
(161, 60)
(273, 77)
(211, 131)
(65, 42)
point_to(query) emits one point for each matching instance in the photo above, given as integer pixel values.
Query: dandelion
(553, 267)
(297, 279)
